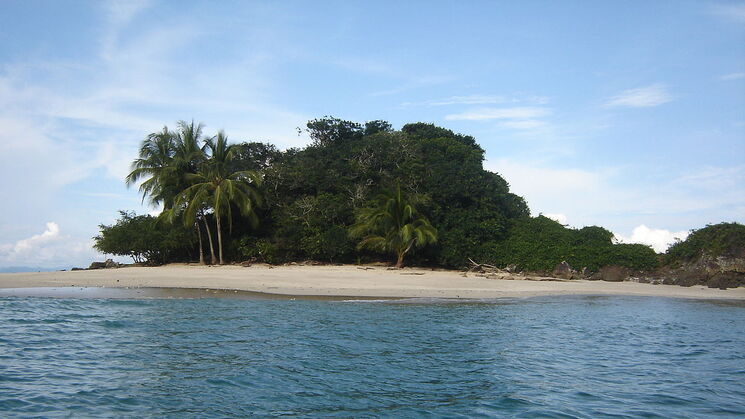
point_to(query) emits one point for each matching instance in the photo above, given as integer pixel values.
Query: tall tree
(393, 225)
(154, 166)
(188, 156)
(217, 185)
(165, 159)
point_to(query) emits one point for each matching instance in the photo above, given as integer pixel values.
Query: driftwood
(482, 267)
(487, 271)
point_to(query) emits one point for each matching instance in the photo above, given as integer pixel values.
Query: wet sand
(347, 281)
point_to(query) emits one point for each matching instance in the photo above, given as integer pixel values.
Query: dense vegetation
(145, 239)
(540, 243)
(393, 225)
(301, 204)
(724, 239)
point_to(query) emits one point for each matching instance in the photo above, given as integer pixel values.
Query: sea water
(585, 357)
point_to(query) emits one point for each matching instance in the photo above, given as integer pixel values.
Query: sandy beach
(350, 281)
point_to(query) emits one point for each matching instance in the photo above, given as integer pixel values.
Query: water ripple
(559, 357)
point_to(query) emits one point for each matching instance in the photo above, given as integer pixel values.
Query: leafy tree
(144, 239)
(165, 158)
(714, 240)
(154, 165)
(540, 243)
(216, 185)
(393, 225)
(311, 196)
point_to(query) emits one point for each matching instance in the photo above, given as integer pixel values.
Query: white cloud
(48, 249)
(658, 239)
(732, 76)
(481, 114)
(643, 97)
(559, 218)
(604, 197)
(26, 245)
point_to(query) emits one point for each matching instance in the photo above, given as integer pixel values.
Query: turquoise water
(558, 357)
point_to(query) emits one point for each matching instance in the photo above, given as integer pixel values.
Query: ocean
(558, 357)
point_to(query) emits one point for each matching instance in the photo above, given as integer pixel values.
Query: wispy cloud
(479, 100)
(119, 14)
(642, 97)
(732, 76)
(481, 114)
(525, 124)
(414, 83)
(734, 12)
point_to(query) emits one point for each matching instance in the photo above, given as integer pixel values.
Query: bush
(145, 239)
(261, 250)
(724, 239)
(540, 243)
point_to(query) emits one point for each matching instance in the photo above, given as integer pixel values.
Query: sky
(628, 115)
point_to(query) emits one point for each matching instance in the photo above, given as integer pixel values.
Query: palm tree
(216, 185)
(154, 165)
(165, 159)
(188, 157)
(392, 225)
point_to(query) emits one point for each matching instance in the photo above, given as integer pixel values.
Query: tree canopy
(313, 196)
(724, 239)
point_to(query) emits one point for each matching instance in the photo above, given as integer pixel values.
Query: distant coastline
(352, 281)
(21, 269)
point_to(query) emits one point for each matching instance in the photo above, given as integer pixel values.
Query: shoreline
(348, 281)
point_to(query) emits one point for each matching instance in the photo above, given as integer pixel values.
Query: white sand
(349, 281)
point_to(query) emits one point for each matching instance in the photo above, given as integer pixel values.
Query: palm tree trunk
(219, 240)
(400, 261)
(401, 254)
(213, 259)
(201, 250)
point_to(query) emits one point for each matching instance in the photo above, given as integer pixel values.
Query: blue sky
(629, 115)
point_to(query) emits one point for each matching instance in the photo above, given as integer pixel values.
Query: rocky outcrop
(564, 271)
(108, 264)
(721, 272)
(614, 273)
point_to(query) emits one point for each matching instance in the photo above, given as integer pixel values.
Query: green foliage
(539, 244)
(262, 250)
(145, 239)
(724, 239)
(189, 175)
(392, 225)
(311, 196)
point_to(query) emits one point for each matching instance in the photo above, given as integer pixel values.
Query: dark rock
(77, 269)
(690, 276)
(97, 265)
(564, 271)
(726, 280)
(614, 273)
(110, 264)
(597, 276)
